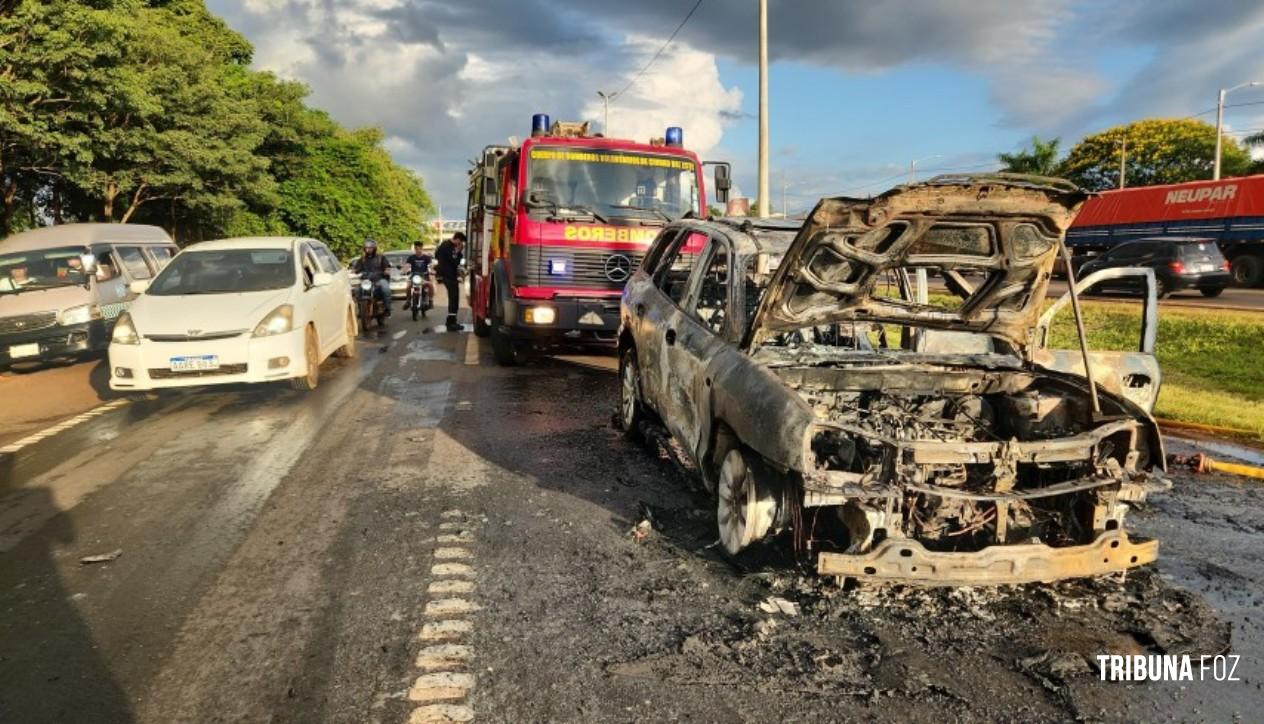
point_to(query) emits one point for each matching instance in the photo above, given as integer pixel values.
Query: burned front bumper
(907, 561)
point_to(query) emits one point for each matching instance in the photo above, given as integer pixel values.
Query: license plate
(22, 351)
(200, 363)
(1205, 268)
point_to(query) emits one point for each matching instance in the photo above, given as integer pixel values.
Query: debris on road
(641, 531)
(776, 604)
(102, 558)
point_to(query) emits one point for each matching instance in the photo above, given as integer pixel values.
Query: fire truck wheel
(503, 347)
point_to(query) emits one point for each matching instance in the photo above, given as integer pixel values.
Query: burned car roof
(992, 239)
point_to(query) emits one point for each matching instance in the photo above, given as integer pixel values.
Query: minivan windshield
(225, 271)
(42, 269)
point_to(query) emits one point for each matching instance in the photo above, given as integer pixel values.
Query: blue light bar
(675, 136)
(539, 124)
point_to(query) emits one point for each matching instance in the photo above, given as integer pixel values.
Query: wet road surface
(428, 535)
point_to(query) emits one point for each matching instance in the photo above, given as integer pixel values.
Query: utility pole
(763, 210)
(1123, 160)
(1215, 172)
(605, 124)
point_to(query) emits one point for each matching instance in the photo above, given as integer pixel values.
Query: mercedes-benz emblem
(618, 268)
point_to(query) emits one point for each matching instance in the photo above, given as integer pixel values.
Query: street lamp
(606, 99)
(1215, 173)
(913, 166)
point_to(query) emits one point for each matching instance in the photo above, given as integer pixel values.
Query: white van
(62, 287)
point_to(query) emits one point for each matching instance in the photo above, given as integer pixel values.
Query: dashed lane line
(471, 350)
(442, 690)
(399, 335)
(61, 426)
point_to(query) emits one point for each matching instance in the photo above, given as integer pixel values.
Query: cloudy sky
(858, 89)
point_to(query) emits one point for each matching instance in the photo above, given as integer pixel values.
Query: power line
(670, 38)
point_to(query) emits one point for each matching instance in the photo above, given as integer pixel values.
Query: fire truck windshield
(611, 184)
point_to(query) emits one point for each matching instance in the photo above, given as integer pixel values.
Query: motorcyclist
(374, 267)
(418, 263)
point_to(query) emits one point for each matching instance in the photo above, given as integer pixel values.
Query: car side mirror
(321, 279)
(139, 287)
(723, 180)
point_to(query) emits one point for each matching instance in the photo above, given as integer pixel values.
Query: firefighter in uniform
(448, 269)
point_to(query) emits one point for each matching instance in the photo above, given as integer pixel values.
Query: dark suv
(1178, 263)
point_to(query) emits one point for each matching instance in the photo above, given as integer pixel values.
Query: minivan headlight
(279, 321)
(80, 315)
(125, 331)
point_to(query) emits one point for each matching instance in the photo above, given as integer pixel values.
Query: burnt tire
(311, 353)
(631, 409)
(746, 507)
(348, 349)
(1247, 271)
(1212, 291)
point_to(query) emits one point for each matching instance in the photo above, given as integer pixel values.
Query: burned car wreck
(900, 433)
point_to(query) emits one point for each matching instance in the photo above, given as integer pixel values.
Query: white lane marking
(451, 607)
(61, 427)
(449, 587)
(452, 569)
(471, 350)
(464, 536)
(451, 630)
(400, 334)
(452, 514)
(441, 714)
(444, 657)
(447, 554)
(441, 686)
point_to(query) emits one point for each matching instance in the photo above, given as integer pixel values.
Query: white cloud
(683, 88)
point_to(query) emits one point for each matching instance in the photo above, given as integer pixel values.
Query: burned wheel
(745, 507)
(630, 410)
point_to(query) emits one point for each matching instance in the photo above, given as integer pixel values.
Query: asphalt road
(430, 536)
(1231, 298)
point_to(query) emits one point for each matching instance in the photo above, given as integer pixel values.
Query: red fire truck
(1229, 212)
(557, 223)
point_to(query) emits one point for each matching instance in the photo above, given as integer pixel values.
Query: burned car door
(663, 317)
(700, 331)
(1131, 374)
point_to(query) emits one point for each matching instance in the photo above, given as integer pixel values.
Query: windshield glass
(611, 184)
(226, 271)
(41, 269)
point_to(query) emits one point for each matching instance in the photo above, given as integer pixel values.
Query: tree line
(147, 111)
(1154, 151)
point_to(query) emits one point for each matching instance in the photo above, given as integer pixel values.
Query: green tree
(1159, 151)
(1040, 158)
(348, 188)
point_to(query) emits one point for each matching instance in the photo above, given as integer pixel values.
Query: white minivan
(62, 287)
(259, 309)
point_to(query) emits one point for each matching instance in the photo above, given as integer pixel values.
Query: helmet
(370, 244)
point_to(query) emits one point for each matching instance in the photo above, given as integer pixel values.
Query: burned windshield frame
(609, 184)
(42, 269)
(227, 271)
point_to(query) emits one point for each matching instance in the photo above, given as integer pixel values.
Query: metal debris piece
(102, 558)
(776, 604)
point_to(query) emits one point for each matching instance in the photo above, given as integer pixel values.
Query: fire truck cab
(557, 224)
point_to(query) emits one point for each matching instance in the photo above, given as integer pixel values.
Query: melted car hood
(204, 314)
(993, 239)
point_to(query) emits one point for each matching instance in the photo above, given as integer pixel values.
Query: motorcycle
(421, 296)
(369, 305)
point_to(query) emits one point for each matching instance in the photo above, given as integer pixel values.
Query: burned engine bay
(960, 458)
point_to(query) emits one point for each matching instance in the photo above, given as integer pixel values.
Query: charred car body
(819, 388)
